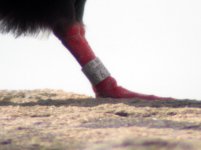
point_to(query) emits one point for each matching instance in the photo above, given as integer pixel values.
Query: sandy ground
(56, 120)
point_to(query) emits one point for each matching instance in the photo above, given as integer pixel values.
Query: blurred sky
(149, 46)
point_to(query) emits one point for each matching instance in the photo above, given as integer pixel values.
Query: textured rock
(54, 119)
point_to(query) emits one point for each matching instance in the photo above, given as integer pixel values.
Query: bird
(64, 18)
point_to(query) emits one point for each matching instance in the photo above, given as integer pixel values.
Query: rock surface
(56, 120)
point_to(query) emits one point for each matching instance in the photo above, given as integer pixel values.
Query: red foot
(109, 88)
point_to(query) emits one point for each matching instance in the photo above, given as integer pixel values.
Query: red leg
(106, 86)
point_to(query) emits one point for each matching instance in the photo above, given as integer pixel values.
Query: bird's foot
(109, 89)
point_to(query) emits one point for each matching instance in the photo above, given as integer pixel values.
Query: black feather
(31, 16)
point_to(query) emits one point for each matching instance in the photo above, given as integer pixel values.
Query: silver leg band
(95, 71)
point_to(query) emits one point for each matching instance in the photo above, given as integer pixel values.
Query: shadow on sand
(92, 102)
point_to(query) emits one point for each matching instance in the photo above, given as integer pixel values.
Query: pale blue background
(150, 46)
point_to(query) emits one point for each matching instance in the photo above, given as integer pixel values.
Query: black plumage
(23, 17)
